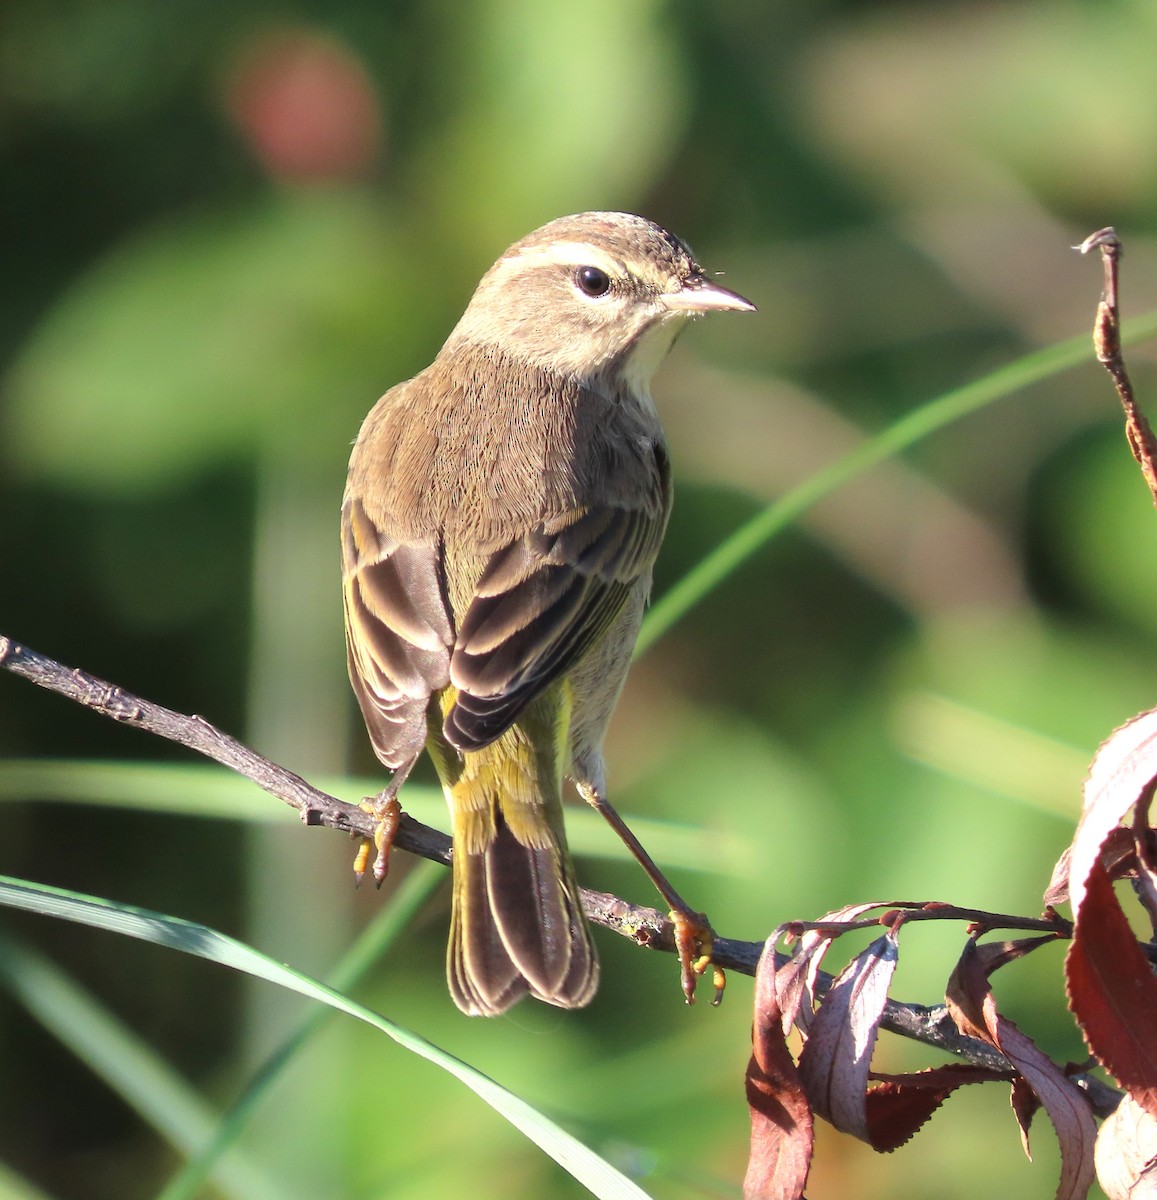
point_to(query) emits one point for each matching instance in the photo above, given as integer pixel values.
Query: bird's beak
(699, 294)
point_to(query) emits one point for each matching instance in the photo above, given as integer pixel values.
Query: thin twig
(1107, 344)
(645, 926)
(316, 807)
(935, 911)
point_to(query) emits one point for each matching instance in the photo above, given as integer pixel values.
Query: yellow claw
(389, 815)
(362, 860)
(719, 980)
(693, 944)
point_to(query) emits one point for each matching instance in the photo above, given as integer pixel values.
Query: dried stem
(1107, 344)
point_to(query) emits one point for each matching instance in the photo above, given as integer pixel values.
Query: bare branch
(316, 807)
(645, 926)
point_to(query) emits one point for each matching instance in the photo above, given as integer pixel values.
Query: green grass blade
(367, 950)
(181, 789)
(594, 1173)
(197, 790)
(677, 601)
(129, 1066)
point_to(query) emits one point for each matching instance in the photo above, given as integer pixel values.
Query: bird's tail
(517, 924)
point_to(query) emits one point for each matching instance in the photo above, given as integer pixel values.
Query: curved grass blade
(130, 1067)
(198, 790)
(367, 950)
(677, 601)
(594, 1173)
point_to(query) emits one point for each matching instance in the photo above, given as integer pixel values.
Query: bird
(501, 518)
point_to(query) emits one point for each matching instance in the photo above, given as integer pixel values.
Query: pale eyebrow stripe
(569, 254)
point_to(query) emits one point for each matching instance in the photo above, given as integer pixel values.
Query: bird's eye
(593, 281)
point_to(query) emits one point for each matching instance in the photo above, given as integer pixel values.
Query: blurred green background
(227, 229)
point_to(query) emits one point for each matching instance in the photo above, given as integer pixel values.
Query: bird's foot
(694, 940)
(388, 812)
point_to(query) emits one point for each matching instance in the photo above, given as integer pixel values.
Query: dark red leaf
(1057, 891)
(836, 1060)
(1117, 856)
(782, 1132)
(900, 1104)
(793, 990)
(1124, 767)
(795, 981)
(1112, 992)
(973, 1008)
(994, 955)
(1025, 1106)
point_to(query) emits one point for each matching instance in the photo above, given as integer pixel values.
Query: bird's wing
(541, 602)
(398, 631)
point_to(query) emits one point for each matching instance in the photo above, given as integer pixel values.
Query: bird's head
(590, 294)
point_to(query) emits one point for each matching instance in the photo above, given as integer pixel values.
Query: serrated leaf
(1112, 991)
(973, 1008)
